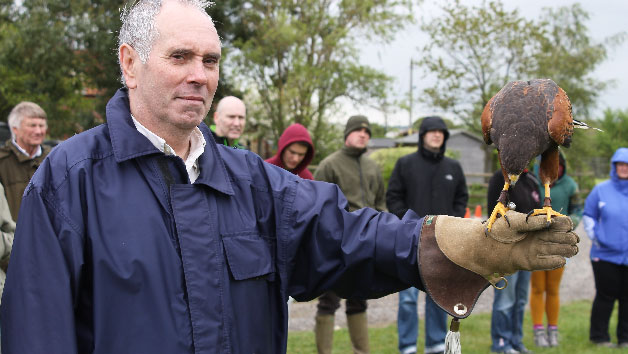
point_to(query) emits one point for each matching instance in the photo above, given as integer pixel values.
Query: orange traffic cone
(478, 212)
(467, 214)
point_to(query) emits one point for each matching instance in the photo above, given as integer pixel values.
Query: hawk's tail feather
(583, 125)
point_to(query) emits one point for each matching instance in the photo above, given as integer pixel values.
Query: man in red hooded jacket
(294, 151)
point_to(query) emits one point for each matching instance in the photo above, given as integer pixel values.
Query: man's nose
(197, 74)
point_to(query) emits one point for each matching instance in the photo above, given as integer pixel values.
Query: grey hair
(22, 110)
(138, 24)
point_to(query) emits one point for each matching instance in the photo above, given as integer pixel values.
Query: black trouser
(329, 302)
(611, 283)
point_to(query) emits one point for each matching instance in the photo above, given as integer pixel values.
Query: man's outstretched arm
(369, 254)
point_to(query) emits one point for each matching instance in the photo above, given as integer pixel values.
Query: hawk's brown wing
(560, 124)
(487, 121)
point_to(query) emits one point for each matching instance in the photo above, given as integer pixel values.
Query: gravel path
(577, 284)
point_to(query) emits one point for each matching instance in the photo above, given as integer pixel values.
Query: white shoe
(540, 338)
(552, 337)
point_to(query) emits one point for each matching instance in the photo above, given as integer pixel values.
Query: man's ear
(129, 63)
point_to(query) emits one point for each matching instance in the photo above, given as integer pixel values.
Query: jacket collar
(351, 151)
(9, 148)
(128, 143)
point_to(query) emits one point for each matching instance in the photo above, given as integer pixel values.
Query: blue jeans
(408, 323)
(508, 309)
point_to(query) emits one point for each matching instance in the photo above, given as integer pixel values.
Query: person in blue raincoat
(142, 235)
(606, 225)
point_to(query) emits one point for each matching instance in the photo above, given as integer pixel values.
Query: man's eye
(210, 61)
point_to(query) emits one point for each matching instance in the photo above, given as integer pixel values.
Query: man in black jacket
(428, 183)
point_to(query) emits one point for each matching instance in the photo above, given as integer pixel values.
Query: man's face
(31, 132)
(358, 139)
(433, 139)
(231, 118)
(293, 155)
(176, 85)
(622, 170)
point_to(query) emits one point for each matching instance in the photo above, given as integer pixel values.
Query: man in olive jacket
(360, 179)
(20, 156)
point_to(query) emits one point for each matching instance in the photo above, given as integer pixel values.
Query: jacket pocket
(249, 256)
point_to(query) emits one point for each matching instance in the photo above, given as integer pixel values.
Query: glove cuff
(453, 288)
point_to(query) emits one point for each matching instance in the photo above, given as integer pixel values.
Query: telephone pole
(411, 98)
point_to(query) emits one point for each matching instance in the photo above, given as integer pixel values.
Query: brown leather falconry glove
(524, 245)
(448, 244)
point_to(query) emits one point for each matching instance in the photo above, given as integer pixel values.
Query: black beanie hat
(356, 123)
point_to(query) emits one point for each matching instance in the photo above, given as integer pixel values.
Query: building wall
(472, 155)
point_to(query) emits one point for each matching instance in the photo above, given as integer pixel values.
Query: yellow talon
(547, 210)
(500, 209)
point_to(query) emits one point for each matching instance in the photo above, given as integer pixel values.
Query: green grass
(475, 335)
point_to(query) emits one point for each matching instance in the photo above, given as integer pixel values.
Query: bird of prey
(526, 119)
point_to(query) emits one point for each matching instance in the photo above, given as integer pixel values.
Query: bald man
(229, 120)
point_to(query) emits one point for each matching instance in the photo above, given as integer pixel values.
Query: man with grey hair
(143, 235)
(22, 155)
(229, 120)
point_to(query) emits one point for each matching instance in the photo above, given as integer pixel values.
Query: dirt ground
(577, 284)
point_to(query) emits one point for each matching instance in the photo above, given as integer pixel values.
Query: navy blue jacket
(116, 252)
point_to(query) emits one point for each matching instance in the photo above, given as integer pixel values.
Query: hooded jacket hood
(621, 155)
(433, 123)
(295, 133)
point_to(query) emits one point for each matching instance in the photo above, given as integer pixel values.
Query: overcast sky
(607, 17)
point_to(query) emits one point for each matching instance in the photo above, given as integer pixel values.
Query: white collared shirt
(197, 146)
(37, 153)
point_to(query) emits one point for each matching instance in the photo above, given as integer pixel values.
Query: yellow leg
(547, 206)
(500, 207)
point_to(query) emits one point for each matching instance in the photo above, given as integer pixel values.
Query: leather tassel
(452, 340)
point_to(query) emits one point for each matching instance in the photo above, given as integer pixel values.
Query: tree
(614, 124)
(52, 52)
(301, 58)
(63, 55)
(474, 51)
(377, 130)
(568, 55)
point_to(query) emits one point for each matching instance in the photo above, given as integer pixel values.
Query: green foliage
(387, 158)
(301, 57)
(477, 196)
(377, 130)
(228, 22)
(475, 335)
(588, 158)
(568, 55)
(475, 50)
(58, 53)
(51, 51)
(332, 140)
(615, 135)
